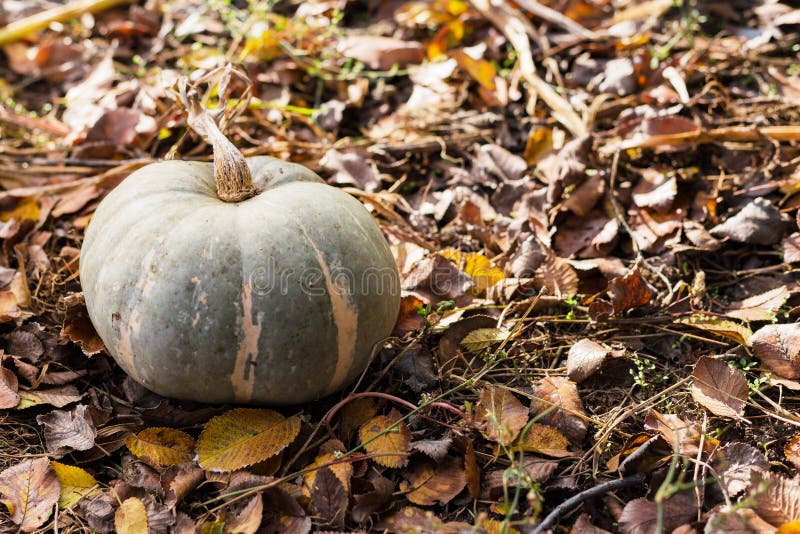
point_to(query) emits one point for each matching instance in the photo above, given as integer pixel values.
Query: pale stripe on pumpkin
(244, 373)
(346, 320)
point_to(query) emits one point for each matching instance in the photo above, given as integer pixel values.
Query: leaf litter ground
(593, 207)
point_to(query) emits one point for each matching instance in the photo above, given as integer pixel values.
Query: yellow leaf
(161, 446)
(478, 266)
(244, 436)
(544, 439)
(131, 517)
(381, 435)
(721, 327)
(500, 415)
(792, 527)
(480, 70)
(539, 142)
(27, 208)
(75, 484)
(494, 526)
(343, 472)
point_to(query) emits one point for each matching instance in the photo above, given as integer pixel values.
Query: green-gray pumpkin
(275, 299)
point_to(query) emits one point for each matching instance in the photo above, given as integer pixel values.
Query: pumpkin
(245, 280)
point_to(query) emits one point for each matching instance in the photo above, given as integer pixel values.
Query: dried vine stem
(231, 172)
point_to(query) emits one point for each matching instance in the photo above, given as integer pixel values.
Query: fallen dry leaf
(243, 437)
(558, 404)
(131, 517)
(159, 446)
(76, 483)
(9, 389)
(29, 490)
(500, 415)
(721, 327)
(429, 483)
(757, 223)
(778, 347)
(65, 431)
(630, 291)
(640, 516)
(390, 440)
(719, 387)
(329, 498)
(776, 497)
(381, 53)
(546, 440)
(584, 359)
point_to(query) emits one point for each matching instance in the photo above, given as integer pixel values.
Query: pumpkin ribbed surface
(277, 299)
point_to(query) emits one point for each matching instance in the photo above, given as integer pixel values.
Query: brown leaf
(430, 483)
(792, 450)
(558, 399)
(409, 319)
(721, 327)
(640, 516)
(178, 481)
(679, 434)
(584, 359)
(30, 490)
(65, 431)
(471, 469)
(757, 223)
(382, 435)
(738, 519)
(356, 413)
(282, 513)
(329, 498)
(630, 291)
(58, 397)
(376, 499)
(776, 498)
(761, 307)
(500, 415)
(138, 474)
(583, 525)
(584, 197)
(778, 347)
(412, 519)
(435, 449)
(719, 387)
(247, 518)
(9, 389)
(735, 464)
(381, 53)
(557, 275)
(656, 192)
(352, 168)
(78, 327)
(435, 278)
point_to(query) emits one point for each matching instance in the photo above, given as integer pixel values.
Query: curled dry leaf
(584, 359)
(356, 413)
(29, 490)
(389, 439)
(557, 275)
(159, 446)
(791, 248)
(435, 278)
(64, 431)
(78, 327)
(719, 387)
(342, 470)
(500, 415)
(178, 481)
(244, 436)
(436, 449)
(778, 347)
(131, 517)
(678, 433)
(429, 483)
(738, 519)
(630, 291)
(721, 327)
(583, 525)
(558, 404)
(76, 483)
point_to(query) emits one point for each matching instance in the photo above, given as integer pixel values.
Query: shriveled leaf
(131, 517)
(429, 483)
(778, 347)
(477, 266)
(584, 359)
(390, 440)
(480, 70)
(792, 450)
(9, 389)
(64, 431)
(776, 498)
(76, 483)
(738, 519)
(721, 327)
(630, 291)
(557, 275)
(483, 338)
(435, 278)
(29, 490)
(159, 446)
(78, 327)
(435, 449)
(342, 470)
(546, 440)
(58, 397)
(557, 401)
(352, 168)
(244, 436)
(719, 387)
(409, 319)
(678, 433)
(500, 414)
(735, 464)
(179, 480)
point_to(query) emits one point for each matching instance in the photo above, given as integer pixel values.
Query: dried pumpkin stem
(231, 172)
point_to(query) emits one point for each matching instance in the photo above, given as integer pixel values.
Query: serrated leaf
(477, 266)
(719, 387)
(29, 490)
(131, 517)
(721, 327)
(58, 397)
(75, 482)
(161, 446)
(430, 483)
(243, 437)
(483, 338)
(380, 435)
